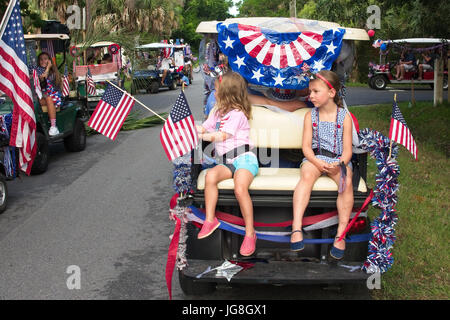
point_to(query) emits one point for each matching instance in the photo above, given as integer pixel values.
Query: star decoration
(228, 43)
(336, 30)
(240, 61)
(301, 78)
(257, 74)
(331, 47)
(318, 65)
(278, 80)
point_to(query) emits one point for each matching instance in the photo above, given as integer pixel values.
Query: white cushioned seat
(278, 179)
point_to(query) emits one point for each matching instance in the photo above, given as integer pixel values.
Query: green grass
(421, 251)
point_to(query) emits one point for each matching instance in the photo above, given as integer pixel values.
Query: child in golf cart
(51, 84)
(229, 129)
(327, 146)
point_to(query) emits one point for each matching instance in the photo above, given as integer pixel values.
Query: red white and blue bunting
(273, 59)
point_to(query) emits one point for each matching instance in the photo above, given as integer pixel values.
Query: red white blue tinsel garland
(379, 258)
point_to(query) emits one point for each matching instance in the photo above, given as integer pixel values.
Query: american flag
(47, 46)
(399, 131)
(15, 82)
(179, 135)
(66, 88)
(37, 84)
(90, 84)
(111, 112)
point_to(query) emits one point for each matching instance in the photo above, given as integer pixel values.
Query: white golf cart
(272, 189)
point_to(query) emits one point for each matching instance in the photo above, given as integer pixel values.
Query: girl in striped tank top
(327, 146)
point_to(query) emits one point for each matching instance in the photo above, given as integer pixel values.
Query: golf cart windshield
(51, 43)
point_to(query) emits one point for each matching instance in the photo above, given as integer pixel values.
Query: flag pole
(137, 101)
(390, 145)
(6, 16)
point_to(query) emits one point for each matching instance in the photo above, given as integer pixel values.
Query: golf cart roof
(96, 45)
(420, 40)
(285, 25)
(46, 36)
(160, 45)
(207, 27)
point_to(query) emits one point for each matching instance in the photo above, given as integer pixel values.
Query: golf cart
(380, 75)
(103, 59)
(70, 116)
(6, 156)
(273, 132)
(146, 74)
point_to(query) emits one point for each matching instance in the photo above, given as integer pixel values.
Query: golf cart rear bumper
(281, 272)
(281, 198)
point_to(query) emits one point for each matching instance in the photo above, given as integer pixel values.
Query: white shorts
(165, 64)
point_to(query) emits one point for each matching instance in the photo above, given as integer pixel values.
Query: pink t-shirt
(235, 123)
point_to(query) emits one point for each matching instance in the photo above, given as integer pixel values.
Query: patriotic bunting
(273, 59)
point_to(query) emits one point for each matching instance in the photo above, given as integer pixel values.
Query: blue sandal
(299, 245)
(336, 253)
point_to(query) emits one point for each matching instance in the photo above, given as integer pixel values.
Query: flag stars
(257, 74)
(331, 47)
(279, 80)
(318, 65)
(228, 43)
(239, 61)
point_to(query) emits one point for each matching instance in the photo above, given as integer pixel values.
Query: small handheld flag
(90, 84)
(179, 135)
(399, 131)
(111, 112)
(66, 88)
(37, 84)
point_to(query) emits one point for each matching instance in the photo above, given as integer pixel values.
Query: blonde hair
(333, 79)
(232, 94)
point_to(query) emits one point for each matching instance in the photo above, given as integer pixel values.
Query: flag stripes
(15, 82)
(179, 135)
(65, 88)
(111, 112)
(399, 131)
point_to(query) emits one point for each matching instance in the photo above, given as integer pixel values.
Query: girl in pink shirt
(229, 129)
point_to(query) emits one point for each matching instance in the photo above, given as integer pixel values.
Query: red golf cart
(380, 75)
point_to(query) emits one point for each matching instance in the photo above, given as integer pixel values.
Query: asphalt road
(105, 211)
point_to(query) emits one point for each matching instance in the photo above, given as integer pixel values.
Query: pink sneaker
(248, 246)
(208, 228)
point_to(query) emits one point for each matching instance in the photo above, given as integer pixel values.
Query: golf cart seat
(271, 130)
(65, 103)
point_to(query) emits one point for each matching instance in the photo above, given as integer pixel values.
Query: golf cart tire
(173, 86)
(154, 87)
(379, 82)
(3, 194)
(77, 140)
(40, 163)
(191, 287)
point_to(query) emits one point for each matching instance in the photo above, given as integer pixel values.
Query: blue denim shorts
(246, 161)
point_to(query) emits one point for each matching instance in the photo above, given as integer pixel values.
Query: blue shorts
(246, 161)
